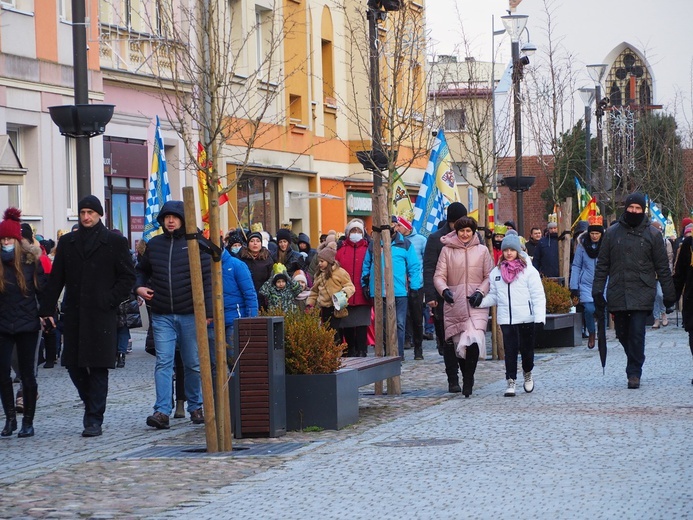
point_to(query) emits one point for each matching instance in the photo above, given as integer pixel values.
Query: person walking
(94, 266)
(683, 284)
(518, 294)
(659, 312)
(632, 257)
(582, 272)
(434, 300)
(21, 278)
(350, 256)
(163, 278)
(461, 278)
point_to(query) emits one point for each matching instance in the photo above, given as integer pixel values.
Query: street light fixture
(587, 96)
(514, 25)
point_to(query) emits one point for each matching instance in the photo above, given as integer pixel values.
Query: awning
(313, 195)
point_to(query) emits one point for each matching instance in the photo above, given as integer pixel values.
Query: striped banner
(159, 191)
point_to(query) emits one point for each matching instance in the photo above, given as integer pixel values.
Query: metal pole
(588, 148)
(517, 108)
(601, 171)
(374, 77)
(81, 88)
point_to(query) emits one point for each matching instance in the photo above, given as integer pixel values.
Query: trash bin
(258, 384)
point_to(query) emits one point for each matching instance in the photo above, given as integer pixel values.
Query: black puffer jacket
(260, 266)
(19, 312)
(165, 268)
(430, 259)
(633, 260)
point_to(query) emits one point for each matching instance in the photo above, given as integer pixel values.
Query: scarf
(88, 238)
(510, 270)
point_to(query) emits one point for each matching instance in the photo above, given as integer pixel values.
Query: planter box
(561, 330)
(330, 401)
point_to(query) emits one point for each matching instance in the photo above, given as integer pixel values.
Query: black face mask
(633, 219)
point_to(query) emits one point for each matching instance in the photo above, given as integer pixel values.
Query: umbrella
(601, 340)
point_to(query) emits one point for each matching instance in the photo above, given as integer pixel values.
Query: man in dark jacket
(163, 279)
(434, 246)
(95, 267)
(633, 258)
(545, 258)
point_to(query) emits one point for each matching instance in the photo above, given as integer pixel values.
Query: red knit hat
(11, 226)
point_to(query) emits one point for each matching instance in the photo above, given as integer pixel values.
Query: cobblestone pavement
(580, 446)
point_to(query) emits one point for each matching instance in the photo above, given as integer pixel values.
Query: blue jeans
(429, 328)
(589, 316)
(401, 306)
(123, 336)
(169, 329)
(659, 307)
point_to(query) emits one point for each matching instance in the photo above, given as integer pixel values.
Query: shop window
(257, 202)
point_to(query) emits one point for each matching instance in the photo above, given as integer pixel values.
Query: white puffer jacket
(521, 301)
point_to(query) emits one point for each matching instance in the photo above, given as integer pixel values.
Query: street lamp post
(587, 96)
(514, 25)
(596, 73)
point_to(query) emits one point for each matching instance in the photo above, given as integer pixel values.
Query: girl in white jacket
(518, 293)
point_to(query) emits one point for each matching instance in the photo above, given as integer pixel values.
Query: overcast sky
(661, 29)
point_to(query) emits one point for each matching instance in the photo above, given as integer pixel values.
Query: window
(257, 202)
(455, 120)
(14, 193)
(295, 109)
(460, 169)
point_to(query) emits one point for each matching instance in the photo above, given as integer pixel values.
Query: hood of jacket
(302, 237)
(172, 207)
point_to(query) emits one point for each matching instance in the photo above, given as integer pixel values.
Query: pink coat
(463, 269)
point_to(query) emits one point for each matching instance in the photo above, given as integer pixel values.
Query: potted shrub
(318, 394)
(562, 328)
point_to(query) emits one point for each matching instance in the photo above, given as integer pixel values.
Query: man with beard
(632, 256)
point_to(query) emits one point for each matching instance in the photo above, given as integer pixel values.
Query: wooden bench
(331, 401)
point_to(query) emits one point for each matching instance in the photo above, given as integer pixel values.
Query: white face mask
(235, 250)
(355, 237)
(8, 247)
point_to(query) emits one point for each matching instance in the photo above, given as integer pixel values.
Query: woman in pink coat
(461, 278)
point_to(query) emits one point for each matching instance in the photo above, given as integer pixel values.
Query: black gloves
(669, 305)
(475, 299)
(366, 286)
(447, 296)
(575, 293)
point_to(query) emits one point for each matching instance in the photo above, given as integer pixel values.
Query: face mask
(355, 237)
(235, 250)
(633, 219)
(8, 248)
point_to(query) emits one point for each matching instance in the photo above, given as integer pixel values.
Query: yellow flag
(401, 203)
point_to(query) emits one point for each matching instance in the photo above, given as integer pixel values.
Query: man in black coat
(95, 267)
(163, 279)
(434, 246)
(633, 258)
(545, 258)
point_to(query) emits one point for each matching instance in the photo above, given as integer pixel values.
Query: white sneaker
(510, 391)
(529, 383)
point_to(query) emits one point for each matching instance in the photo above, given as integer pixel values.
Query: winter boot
(510, 391)
(529, 382)
(590, 340)
(30, 395)
(418, 353)
(470, 369)
(120, 363)
(7, 395)
(180, 410)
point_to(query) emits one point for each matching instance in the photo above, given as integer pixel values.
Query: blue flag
(438, 188)
(159, 191)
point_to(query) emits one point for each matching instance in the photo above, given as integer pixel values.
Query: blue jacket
(240, 298)
(419, 243)
(582, 270)
(545, 258)
(406, 267)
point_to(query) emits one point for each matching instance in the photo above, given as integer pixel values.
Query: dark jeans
(92, 387)
(518, 338)
(27, 356)
(415, 317)
(357, 340)
(630, 331)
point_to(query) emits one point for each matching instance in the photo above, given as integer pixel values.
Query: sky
(589, 29)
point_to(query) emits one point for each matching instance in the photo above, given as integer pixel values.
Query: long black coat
(95, 284)
(683, 281)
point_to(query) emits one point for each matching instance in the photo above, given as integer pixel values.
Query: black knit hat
(91, 202)
(635, 198)
(284, 234)
(455, 211)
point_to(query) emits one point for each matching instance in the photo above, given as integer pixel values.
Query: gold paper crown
(500, 229)
(595, 220)
(553, 217)
(257, 227)
(278, 268)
